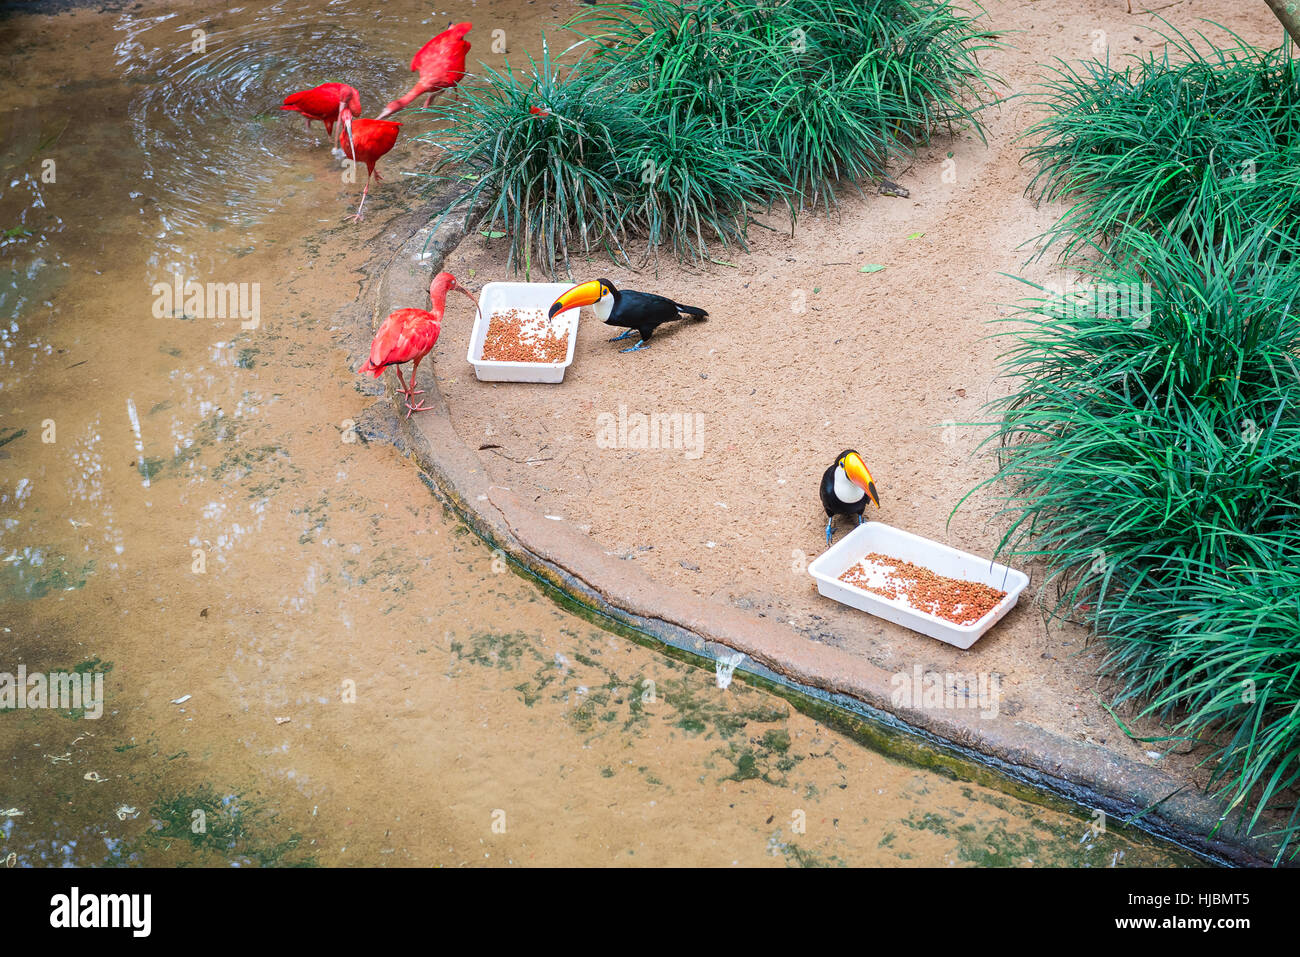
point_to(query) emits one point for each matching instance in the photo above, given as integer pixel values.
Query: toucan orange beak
(584, 294)
(858, 474)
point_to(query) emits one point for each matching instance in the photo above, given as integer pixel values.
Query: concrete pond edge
(571, 566)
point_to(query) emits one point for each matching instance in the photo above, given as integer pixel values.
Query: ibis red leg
(357, 217)
(405, 389)
(419, 407)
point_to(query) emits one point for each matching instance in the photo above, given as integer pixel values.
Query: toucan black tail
(692, 311)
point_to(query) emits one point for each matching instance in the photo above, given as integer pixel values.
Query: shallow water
(304, 660)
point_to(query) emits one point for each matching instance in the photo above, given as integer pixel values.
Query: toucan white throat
(845, 490)
(603, 306)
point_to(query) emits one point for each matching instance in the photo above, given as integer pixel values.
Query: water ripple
(218, 151)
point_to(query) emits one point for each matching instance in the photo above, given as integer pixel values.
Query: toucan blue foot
(640, 345)
(623, 336)
(860, 518)
(830, 530)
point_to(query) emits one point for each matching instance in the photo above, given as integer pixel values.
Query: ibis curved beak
(584, 294)
(345, 114)
(472, 298)
(858, 474)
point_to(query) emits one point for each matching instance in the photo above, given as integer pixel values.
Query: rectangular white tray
(496, 296)
(941, 559)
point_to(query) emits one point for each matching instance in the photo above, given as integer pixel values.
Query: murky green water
(304, 661)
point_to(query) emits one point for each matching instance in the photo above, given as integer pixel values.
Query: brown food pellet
(952, 599)
(523, 335)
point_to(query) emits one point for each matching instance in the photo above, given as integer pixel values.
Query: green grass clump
(547, 178)
(1150, 450)
(825, 90)
(677, 118)
(691, 184)
(1150, 462)
(1195, 139)
(564, 165)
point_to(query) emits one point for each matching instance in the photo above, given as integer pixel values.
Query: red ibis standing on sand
(329, 103)
(408, 335)
(441, 65)
(371, 139)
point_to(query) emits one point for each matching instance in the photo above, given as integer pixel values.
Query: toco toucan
(846, 486)
(641, 312)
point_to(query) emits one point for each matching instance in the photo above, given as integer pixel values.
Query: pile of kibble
(523, 335)
(954, 600)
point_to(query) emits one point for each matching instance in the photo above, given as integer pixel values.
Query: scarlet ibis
(328, 103)
(371, 139)
(441, 65)
(408, 335)
(846, 487)
(642, 312)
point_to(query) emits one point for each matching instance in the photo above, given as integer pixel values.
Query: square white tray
(498, 296)
(941, 559)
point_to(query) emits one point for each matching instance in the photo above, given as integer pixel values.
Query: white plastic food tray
(878, 537)
(498, 296)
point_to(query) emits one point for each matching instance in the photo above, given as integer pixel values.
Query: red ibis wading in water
(408, 335)
(371, 139)
(329, 103)
(441, 65)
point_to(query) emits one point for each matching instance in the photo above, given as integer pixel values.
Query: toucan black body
(642, 312)
(846, 489)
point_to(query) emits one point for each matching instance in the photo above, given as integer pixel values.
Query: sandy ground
(893, 363)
